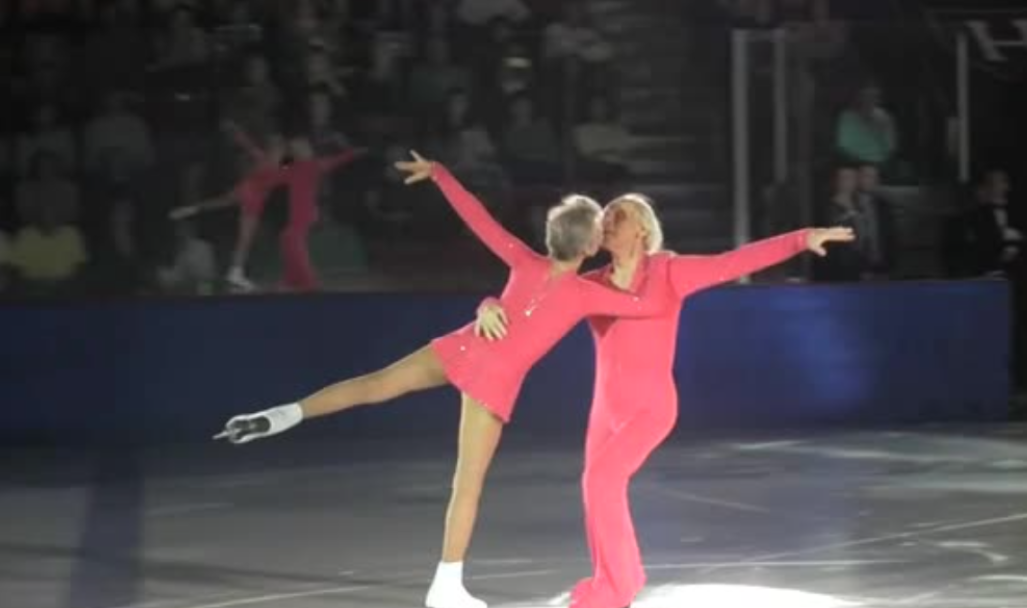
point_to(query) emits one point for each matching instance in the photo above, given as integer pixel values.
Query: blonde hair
(571, 225)
(647, 216)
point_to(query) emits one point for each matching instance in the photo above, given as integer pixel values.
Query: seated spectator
(48, 136)
(46, 186)
(379, 98)
(48, 256)
(431, 80)
(875, 231)
(255, 104)
(184, 43)
(866, 132)
(117, 133)
(115, 244)
(503, 64)
(194, 269)
(481, 12)
(989, 240)
(322, 74)
(5, 263)
(602, 142)
(328, 138)
(393, 210)
(530, 146)
(845, 263)
(462, 143)
(326, 132)
(114, 53)
(572, 37)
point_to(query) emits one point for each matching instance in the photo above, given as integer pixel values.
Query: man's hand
(416, 170)
(818, 237)
(491, 322)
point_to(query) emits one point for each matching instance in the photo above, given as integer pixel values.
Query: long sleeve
(506, 246)
(599, 300)
(692, 273)
(336, 160)
(247, 144)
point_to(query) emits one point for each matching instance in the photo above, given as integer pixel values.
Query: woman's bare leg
(480, 432)
(417, 371)
(244, 242)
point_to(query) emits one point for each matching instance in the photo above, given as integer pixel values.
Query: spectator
(530, 145)
(7, 169)
(184, 43)
(194, 269)
(254, 106)
(991, 241)
(46, 186)
(326, 133)
(866, 131)
(573, 37)
(845, 263)
(431, 80)
(47, 136)
(114, 54)
(875, 230)
(116, 248)
(48, 255)
(117, 140)
(5, 263)
(602, 142)
(322, 74)
(481, 12)
(510, 65)
(463, 143)
(328, 139)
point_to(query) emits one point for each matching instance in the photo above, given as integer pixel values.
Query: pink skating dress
(541, 309)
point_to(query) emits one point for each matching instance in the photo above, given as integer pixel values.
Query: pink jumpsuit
(302, 178)
(541, 309)
(634, 405)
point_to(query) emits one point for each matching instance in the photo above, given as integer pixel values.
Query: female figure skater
(545, 297)
(634, 405)
(250, 194)
(303, 177)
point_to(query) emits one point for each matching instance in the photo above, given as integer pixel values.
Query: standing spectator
(117, 140)
(47, 186)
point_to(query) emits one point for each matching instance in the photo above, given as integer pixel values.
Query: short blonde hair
(647, 215)
(571, 225)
